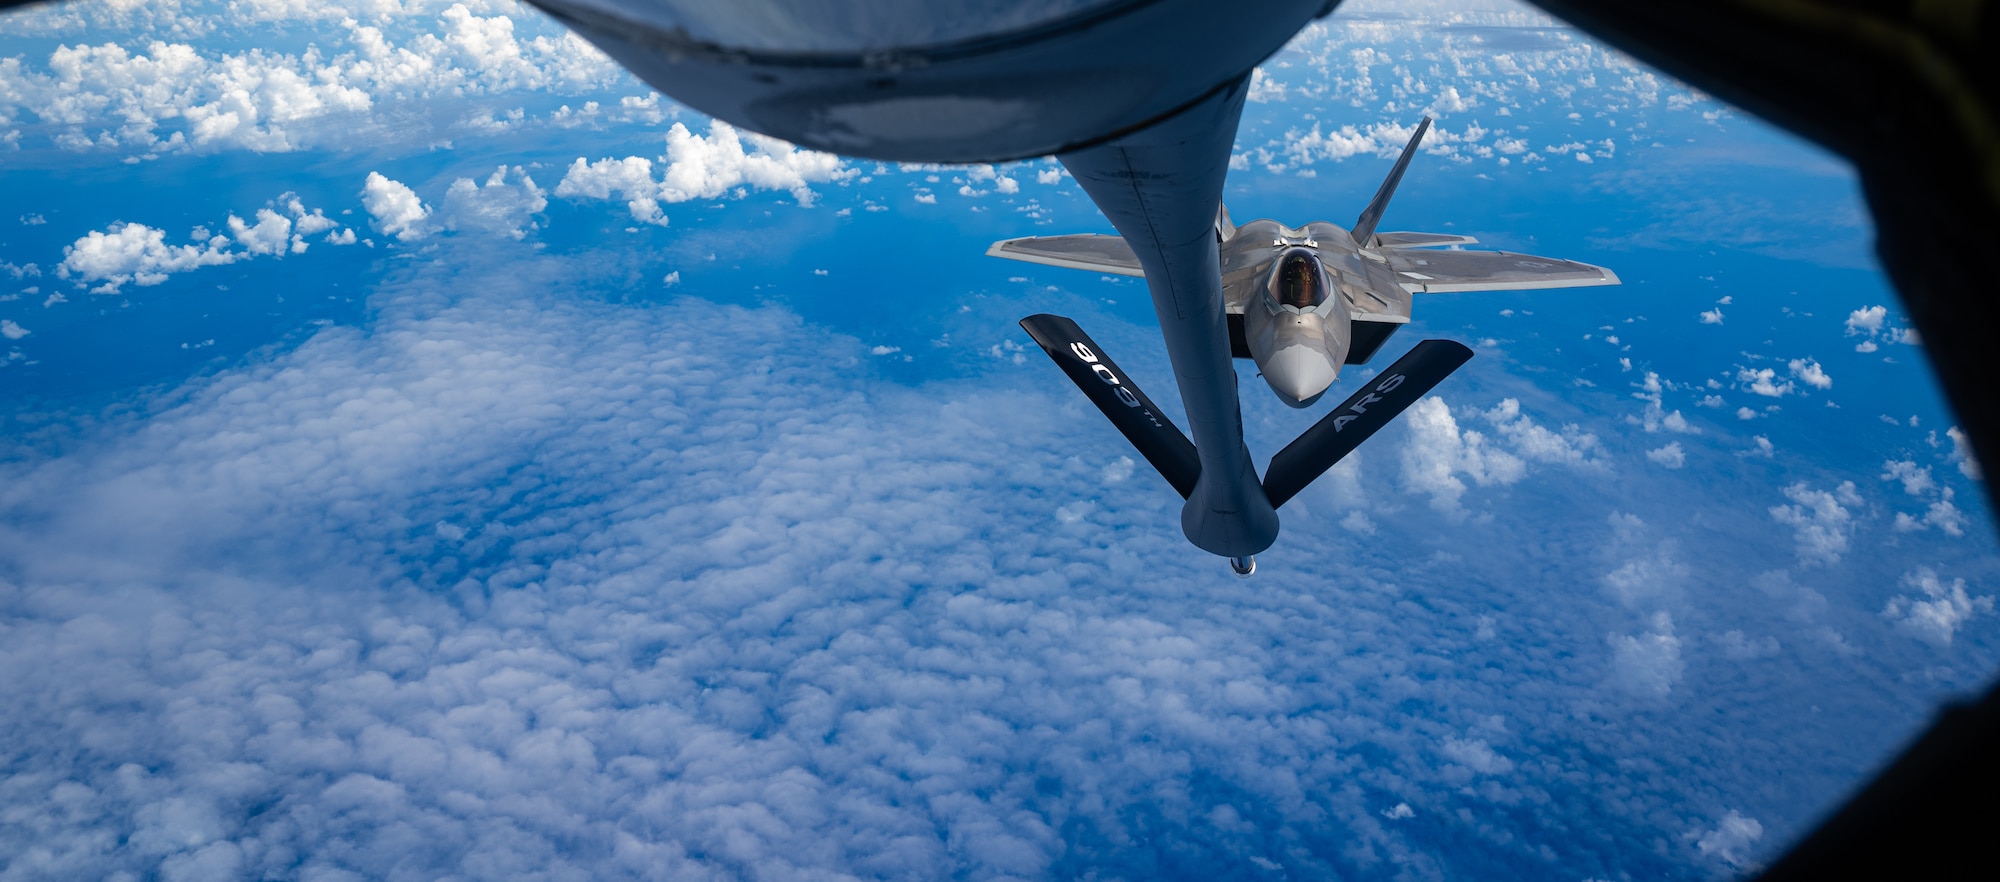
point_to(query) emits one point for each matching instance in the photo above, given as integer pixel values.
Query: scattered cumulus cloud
(395, 208)
(1961, 453)
(702, 167)
(1648, 664)
(1656, 417)
(1867, 320)
(504, 205)
(1670, 456)
(1437, 453)
(1477, 755)
(1569, 446)
(1821, 520)
(1763, 381)
(1731, 840)
(137, 254)
(1871, 324)
(1941, 513)
(167, 97)
(467, 570)
(1916, 479)
(1810, 373)
(1936, 610)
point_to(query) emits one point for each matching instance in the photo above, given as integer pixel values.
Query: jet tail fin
(1337, 434)
(1112, 390)
(1364, 228)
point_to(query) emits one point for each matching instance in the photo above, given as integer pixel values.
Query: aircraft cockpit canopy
(1299, 281)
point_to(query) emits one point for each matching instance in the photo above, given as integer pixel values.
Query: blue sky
(544, 531)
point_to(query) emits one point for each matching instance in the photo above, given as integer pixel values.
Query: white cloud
(1263, 88)
(1871, 323)
(1942, 514)
(1437, 453)
(1763, 381)
(172, 97)
(630, 179)
(272, 234)
(1916, 480)
(1820, 520)
(396, 209)
(1937, 618)
(1737, 647)
(138, 254)
(1867, 320)
(1647, 664)
(1810, 373)
(1670, 456)
(706, 167)
(12, 331)
(1961, 452)
(1656, 417)
(1572, 446)
(306, 223)
(1731, 840)
(504, 205)
(528, 569)
(1118, 471)
(698, 167)
(1712, 317)
(1049, 176)
(1477, 755)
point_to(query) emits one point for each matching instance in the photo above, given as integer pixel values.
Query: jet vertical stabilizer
(1364, 228)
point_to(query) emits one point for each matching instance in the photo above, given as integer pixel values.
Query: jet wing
(1087, 251)
(1442, 271)
(1420, 240)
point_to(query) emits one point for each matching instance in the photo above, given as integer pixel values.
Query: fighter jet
(1303, 302)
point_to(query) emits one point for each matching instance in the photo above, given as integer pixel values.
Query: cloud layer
(516, 581)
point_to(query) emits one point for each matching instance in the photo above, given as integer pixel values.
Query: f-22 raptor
(1301, 303)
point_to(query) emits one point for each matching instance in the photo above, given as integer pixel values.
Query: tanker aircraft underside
(1301, 303)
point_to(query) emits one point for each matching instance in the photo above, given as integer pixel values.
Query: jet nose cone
(1300, 374)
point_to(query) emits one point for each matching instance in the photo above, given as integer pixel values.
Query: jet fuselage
(1300, 292)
